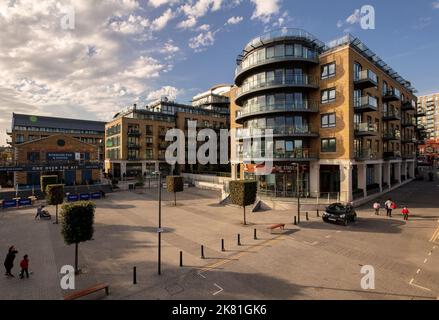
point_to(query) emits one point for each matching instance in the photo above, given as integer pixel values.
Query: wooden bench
(88, 291)
(276, 226)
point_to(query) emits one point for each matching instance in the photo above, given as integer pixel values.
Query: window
(329, 145)
(328, 120)
(328, 96)
(328, 71)
(357, 71)
(270, 52)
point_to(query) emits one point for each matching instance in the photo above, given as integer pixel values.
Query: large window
(328, 71)
(329, 145)
(328, 120)
(357, 71)
(328, 96)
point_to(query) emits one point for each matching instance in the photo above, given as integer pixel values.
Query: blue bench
(84, 196)
(9, 204)
(72, 198)
(24, 202)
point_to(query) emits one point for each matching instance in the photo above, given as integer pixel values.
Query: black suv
(338, 212)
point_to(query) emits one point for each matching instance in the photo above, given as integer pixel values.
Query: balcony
(407, 140)
(391, 115)
(420, 114)
(421, 127)
(391, 135)
(303, 154)
(409, 156)
(406, 123)
(392, 155)
(133, 133)
(131, 145)
(280, 131)
(365, 154)
(391, 95)
(366, 79)
(365, 129)
(408, 106)
(295, 106)
(366, 104)
(295, 81)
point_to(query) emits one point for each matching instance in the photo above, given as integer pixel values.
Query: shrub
(55, 196)
(46, 180)
(77, 224)
(243, 193)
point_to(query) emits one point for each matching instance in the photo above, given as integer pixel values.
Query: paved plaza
(314, 260)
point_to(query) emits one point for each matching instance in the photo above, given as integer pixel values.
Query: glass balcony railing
(366, 102)
(300, 105)
(391, 115)
(298, 154)
(366, 75)
(365, 154)
(392, 135)
(279, 130)
(296, 80)
(392, 95)
(365, 128)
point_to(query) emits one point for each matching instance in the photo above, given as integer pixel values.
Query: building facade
(428, 110)
(343, 122)
(135, 139)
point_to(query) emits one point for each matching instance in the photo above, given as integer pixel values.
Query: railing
(366, 101)
(409, 155)
(392, 94)
(394, 114)
(366, 127)
(301, 105)
(133, 132)
(408, 122)
(366, 154)
(391, 154)
(133, 146)
(393, 135)
(366, 75)
(280, 130)
(296, 80)
(299, 153)
(313, 198)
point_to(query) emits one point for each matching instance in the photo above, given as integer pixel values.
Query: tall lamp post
(159, 230)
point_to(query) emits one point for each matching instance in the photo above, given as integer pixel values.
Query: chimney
(135, 107)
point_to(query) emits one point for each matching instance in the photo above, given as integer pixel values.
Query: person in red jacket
(405, 213)
(24, 264)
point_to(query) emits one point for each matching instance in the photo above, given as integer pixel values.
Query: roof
(61, 135)
(28, 120)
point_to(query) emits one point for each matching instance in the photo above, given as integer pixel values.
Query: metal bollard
(298, 218)
(222, 245)
(202, 252)
(239, 239)
(134, 275)
(295, 220)
(181, 258)
(254, 234)
(307, 217)
(318, 215)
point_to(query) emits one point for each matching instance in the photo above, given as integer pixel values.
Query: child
(405, 213)
(377, 206)
(24, 264)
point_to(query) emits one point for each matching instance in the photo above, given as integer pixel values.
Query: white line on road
(311, 243)
(419, 270)
(201, 275)
(220, 289)
(328, 236)
(420, 287)
(425, 261)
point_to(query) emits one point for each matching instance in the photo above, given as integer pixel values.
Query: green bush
(46, 180)
(243, 192)
(77, 224)
(55, 196)
(174, 184)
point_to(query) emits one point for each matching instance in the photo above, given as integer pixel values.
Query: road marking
(338, 231)
(201, 275)
(419, 270)
(311, 243)
(328, 236)
(435, 235)
(238, 255)
(220, 289)
(425, 261)
(420, 287)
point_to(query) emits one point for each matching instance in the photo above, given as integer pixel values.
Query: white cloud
(234, 20)
(132, 25)
(170, 48)
(158, 3)
(202, 40)
(161, 22)
(265, 9)
(435, 5)
(200, 7)
(190, 22)
(167, 91)
(204, 27)
(354, 17)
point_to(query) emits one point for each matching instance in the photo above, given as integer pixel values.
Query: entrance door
(33, 178)
(69, 177)
(329, 179)
(86, 176)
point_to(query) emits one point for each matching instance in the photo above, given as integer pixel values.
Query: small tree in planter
(77, 224)
(55, 196)
(47, 180)
(243, 193)
(175, 184)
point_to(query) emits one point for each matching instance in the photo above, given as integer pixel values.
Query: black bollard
(318, 215)
(298, 218)
(239, 239)
(222, 245)
(295, 221)
(134, 275)
(307, 217)
(254, 234)
(202, 252)
(181, 258)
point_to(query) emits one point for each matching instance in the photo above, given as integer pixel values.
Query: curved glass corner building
(277, 80)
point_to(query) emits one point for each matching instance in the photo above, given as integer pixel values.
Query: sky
(88, 59)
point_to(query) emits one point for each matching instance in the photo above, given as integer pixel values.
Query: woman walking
(9, 261)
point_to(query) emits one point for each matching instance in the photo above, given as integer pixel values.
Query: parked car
(338, 212)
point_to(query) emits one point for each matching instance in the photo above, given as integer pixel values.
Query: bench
(88, 291)
(276, 226)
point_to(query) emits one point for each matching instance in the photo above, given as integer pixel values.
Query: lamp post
(159, 230)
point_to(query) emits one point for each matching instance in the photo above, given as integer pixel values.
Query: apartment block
(135, 139)
(343, 122)
(428, 110)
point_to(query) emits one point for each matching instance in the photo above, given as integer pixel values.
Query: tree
(175, 184)
(55, 196)
(46, 180)
(243, 193)
(77, 224)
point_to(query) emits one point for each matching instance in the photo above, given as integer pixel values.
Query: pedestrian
(389, 207)
(405, 213)
(9, 261)
(377, 207)
(24, 264)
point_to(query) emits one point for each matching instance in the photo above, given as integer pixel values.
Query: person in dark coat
(9, 261)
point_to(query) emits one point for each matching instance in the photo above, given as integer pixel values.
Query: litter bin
(131, 186)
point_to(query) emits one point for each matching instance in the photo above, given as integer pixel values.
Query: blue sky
(125, 51)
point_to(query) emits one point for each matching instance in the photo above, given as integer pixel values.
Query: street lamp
(297, 166)
(159, 230)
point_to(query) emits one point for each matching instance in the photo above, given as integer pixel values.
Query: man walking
(377, 206)
(389, 207)
(9, 261)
